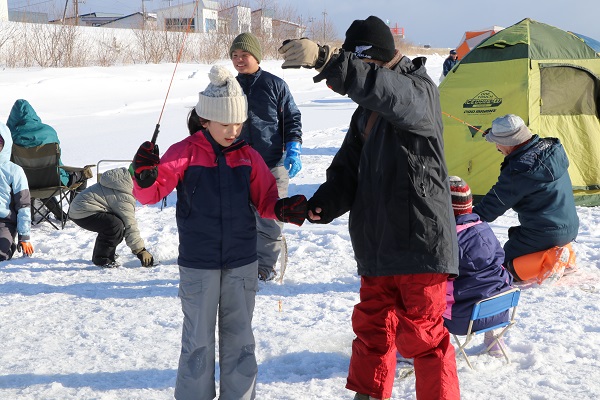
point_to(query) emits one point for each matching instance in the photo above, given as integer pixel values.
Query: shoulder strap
(460, 228)
(370, 124)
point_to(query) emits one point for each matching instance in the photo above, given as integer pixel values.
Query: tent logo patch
(484, 102)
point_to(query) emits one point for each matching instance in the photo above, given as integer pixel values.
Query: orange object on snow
(473, 38)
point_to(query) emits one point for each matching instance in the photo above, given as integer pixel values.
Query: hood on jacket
(6, 151)
(117, 179)
(27, 128)
(543, 159)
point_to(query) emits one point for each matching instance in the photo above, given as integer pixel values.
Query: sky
(438, 23)
(70, 330)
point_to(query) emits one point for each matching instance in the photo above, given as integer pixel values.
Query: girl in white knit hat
(219, 180)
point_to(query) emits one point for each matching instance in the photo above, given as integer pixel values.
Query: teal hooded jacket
(27, 130)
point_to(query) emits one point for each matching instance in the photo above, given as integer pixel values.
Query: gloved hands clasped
(291, 209)
(292, 160)
(145, 257)
(304, 53)
(144, 164)
(25, 247)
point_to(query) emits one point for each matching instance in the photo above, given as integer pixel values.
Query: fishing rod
(187, 31)
(464, 122)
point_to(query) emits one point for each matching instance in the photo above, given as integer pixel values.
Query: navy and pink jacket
(480, 274)
(216, 190)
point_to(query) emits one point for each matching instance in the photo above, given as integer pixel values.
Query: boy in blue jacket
(15, 202)
(274, 130)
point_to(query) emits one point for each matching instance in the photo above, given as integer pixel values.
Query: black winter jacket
(393, 180)
(273, 117)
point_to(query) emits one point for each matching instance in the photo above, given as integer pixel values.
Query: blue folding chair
(487, 308)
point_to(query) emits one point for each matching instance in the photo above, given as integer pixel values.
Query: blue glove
(292, 158)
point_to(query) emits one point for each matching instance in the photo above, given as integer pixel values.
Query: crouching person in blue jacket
(480, 270)
(15, 202)
(220, 180)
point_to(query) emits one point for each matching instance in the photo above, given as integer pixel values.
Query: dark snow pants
(7, 240)
(402, 312)
(110, 231)
(229, 294)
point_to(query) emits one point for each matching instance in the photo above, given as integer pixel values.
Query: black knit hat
(370, 38)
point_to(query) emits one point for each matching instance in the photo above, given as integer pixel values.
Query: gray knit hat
(223, 100)
(508, 130)
(247, 42)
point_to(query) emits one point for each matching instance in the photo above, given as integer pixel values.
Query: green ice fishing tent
(547, 76)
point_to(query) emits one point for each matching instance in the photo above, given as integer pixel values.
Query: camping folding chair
(487, 308)
(42, 169)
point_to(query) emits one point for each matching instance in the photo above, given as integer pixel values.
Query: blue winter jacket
(27, 130)
(480, 275)
(273, 117)
(15, 200)
(535, 183)
(217, 189)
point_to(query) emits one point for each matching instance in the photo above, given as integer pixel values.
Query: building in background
(178, 17)
(235, 20)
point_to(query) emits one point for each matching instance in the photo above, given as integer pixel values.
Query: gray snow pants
(230, 293)
(268, 245)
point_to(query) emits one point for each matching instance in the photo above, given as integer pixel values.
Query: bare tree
(322, 30)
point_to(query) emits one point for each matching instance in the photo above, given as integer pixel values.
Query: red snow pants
(404, 313)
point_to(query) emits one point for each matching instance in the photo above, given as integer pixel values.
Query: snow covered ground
(69, 330)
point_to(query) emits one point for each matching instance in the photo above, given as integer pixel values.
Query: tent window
(567, 91)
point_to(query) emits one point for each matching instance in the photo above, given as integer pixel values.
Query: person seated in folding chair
(27, 130)
(535, 183)
(15, 212)
(108, 208)
(481, 274)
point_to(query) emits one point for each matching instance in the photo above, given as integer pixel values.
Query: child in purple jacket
(481, 273)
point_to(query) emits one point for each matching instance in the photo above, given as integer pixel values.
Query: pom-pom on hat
(223, 100)
(247, 42)
(370, 38)
(508, 130)
(462, 199)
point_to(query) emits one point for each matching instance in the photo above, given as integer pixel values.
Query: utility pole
(324, 16)
(76, 6)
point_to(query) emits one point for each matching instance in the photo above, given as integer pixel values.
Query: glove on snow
(145, 257)
(25, 247)
(144, 164)
(292, 160)
(304, 53)
(291, 209)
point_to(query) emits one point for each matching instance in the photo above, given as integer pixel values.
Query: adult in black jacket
(449, 62)
(390, 173)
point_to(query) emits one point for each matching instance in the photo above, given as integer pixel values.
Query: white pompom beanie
(223, 100)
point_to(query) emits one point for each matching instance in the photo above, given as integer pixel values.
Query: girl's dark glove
(291, 209)
(144, 164)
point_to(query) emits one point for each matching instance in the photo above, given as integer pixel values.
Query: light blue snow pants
(230, 294)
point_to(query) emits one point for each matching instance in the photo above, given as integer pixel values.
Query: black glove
(312, 206)
(144, 164)
(291, 209)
